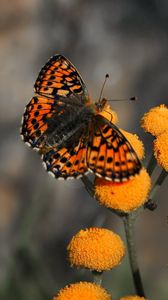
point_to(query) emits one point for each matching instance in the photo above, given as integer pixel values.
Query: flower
(125, 196)
(82, 291)
(160, 147)
(96, 248)
(133, 298)
(135, 142)
(109, 114)
(156, 120)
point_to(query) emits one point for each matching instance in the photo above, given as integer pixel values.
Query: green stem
(97, 277)
(129, 221)
(151, 165)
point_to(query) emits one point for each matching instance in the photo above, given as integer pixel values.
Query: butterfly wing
(59, 91)
(109, 154)
(59, 77)
(66, 162)
(35, 120)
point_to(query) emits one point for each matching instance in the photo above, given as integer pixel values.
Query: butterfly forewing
(37, 117)
(60, 78)
(59, 91)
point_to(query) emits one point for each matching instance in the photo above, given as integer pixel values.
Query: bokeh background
(39, 215)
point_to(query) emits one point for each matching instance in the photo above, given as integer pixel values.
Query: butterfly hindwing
(110, 155)
(66, 163)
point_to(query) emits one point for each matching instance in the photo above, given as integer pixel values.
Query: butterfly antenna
(134, 98)
(101, 92)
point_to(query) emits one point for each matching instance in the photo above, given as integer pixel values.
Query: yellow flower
(109, 114)
(132, 298)
(125, 196)
(135, 142)
(156, 120)
(161, 149)
(83, 291)
(96, 248)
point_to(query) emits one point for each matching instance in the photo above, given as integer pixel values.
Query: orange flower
(125, 196)
(135, 142)
(83, 291)
(96, 248)
(156, 120)
(109, 114)
(132, 298)
(160, 146)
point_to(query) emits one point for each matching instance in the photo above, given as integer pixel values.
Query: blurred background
(39, 215)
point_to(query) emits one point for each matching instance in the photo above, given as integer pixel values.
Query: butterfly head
(101, 104)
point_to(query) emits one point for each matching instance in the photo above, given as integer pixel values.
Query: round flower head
(109, 114)
(160, 146)
(156, 120)
(135, 142)
(83, 291)
(98, 249)
(132, 298)
(125, 196)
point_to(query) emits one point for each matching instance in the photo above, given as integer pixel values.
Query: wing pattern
(66, 163)
(110, 155)
(60, 78)
(59, 91)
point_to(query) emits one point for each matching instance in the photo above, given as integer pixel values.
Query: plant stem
(97, 277)
(129, 230)
(151, 165)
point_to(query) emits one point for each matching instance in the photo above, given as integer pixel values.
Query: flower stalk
(129, 222)
(97, 277)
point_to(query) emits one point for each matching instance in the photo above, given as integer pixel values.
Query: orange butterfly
(70, 131)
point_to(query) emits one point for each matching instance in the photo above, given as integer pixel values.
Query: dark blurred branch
(88, 185)
(151, 165)
(151, 204)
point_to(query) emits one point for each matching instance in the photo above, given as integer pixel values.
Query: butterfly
(70, 131)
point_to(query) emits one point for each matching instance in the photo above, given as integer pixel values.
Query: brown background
(39, 215)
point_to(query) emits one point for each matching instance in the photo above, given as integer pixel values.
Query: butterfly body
(67, 128)
(69, 131)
